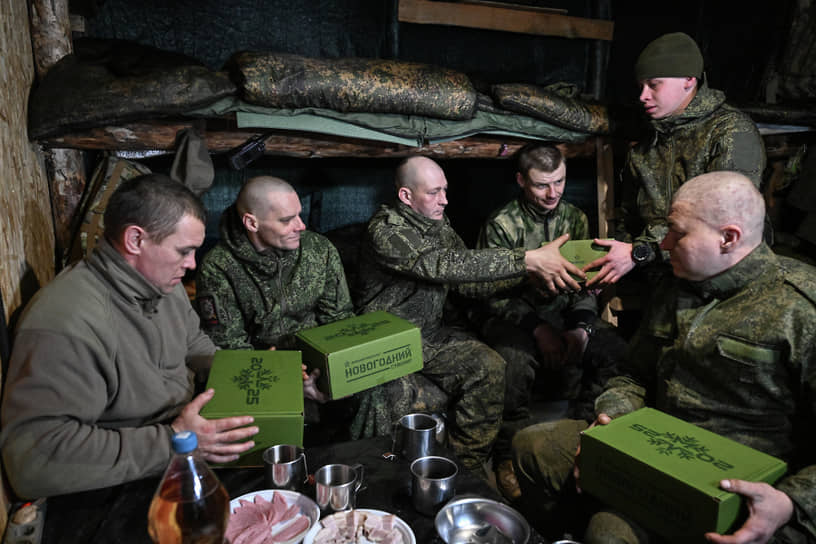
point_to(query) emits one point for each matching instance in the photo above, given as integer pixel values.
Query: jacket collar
(540, 214)
(703, 104)
(738, 277)
(419, 221)
(123, 278)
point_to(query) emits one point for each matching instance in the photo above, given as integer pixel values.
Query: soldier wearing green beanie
(693, 132)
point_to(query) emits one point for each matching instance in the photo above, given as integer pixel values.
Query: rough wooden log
(51, 40)
(147, 136)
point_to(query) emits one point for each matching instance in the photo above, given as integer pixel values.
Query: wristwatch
(588, 327)
(642, 253)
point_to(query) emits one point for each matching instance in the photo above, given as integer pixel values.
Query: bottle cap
(184, 442)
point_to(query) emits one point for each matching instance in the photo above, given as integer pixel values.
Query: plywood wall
(26, 227)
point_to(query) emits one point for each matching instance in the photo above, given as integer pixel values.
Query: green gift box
(267, 385)
(665, 473)
(361, 352)
(582, 252)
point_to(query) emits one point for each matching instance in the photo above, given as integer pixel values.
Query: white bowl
(308, 507)
(407, 534)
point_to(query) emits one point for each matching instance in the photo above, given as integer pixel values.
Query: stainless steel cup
(433, 483)
(285, 467)
(415, 436)
(336, 487)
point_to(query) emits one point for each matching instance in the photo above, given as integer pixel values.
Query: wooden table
(119, 514)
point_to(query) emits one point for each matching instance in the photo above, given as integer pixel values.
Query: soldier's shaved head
(254, 195)
(411, 171)
(723, 198)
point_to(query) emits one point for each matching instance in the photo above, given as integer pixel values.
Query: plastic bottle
(190, 505)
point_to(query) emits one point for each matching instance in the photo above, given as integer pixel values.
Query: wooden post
(606, 206)
(51, 40)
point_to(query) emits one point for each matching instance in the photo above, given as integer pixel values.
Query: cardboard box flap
(267, 383)
(351, 332)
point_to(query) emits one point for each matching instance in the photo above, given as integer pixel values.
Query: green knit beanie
(670, 55)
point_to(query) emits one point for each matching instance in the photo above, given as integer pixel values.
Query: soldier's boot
(506, 481)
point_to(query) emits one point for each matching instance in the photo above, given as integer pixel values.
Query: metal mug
(433, 483)
(336, 486)
(285, 467)
(418, 435)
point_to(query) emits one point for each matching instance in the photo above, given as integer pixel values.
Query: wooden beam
(500, 18)
(51, 40)
(161, 135)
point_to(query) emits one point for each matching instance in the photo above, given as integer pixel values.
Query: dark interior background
(739, 40)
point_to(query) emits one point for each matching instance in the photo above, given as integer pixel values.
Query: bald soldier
(268, 277)
(729, 345)
(411, 258)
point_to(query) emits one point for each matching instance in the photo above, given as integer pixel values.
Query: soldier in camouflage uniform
(694, 132)
(268, 277)
(730, 347)
(411, 258)
(512, 321)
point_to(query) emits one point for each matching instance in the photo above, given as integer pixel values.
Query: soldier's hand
(613, 266)
(602, 419)
(310, 390)
(554, 270)
(768, 510)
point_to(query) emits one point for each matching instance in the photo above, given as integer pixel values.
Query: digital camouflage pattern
(408, 264)
(521, 224)
(252, 300)
(708, 135)
(735, 354)
(506, 320)
(281, 80)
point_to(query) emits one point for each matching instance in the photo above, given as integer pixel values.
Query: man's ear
(731, 236)
(405, 196)
(690, 83)
(132, 239)
(250, 222)
(520, 180)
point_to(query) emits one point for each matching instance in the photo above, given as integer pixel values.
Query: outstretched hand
(310, 390)
(552, 269)
(768, 510)
(613, 266)
(602, 419)
(219, 440)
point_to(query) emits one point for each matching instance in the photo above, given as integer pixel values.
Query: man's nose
(443, 199)
(300, 224)
(190, 262)
(644, 93)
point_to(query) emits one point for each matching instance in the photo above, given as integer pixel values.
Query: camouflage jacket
(708, 135)
(735, 354)
(521, 224)
(409, 262)
(252, 300)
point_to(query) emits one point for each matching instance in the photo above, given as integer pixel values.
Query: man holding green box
(101, 375)
(534, 330)
(730, 346)
(268, 277)
(411, 258)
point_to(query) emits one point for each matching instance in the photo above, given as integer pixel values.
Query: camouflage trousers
(543, 458)
(579, 383)
(462, 378)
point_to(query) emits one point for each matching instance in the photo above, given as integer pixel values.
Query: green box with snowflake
(267, 385)
(361, 352)
(664, 473)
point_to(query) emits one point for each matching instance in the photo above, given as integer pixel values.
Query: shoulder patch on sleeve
(207, 311)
